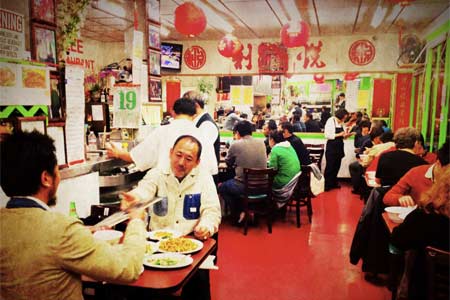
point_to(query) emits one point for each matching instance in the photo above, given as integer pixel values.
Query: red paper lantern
(319, 78)
(189, 19)
(229, 46)
(294, 34)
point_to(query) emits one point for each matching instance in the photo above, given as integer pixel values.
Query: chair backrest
(437, 266)
(316, 153)
(285, 193)
(258, 181)
(303, 188)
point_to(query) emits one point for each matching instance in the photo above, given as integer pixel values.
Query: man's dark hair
(309, 115)
(24, 156)
(443, 153)
(387, 137)
(272, 125)
(340, 113)
(192, 139)
(277, 136)
(243, 128)
(364, 123)
(184, 106)
(287, 126)
(342, 94)
(375, 132)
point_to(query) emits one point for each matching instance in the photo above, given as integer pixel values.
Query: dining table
(162, 282)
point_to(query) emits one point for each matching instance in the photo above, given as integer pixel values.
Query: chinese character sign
(195, 57)
(127, 107)
(311, 56)
(402, 101)
(361, 52)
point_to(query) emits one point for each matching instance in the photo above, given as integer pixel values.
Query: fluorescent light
(214, 19)
(292, 10)
(378, 16)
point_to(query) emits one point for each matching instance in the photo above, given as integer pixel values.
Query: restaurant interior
(112, 70)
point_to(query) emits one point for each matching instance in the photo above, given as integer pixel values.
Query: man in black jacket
(296, 143)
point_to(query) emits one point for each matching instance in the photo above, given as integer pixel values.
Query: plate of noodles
(158, 235)
(180, 245)
(167, 260)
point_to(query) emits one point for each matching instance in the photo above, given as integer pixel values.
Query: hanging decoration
(361, 52)
(351, 76)
(295, 34)
(319, 78)
(189, 19)
(272, 59)
(195, 57)
(239, 57)
(229, 46)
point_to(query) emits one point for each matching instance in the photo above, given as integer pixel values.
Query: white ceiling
(106, 20)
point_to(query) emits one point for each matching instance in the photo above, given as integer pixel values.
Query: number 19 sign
(127, 107)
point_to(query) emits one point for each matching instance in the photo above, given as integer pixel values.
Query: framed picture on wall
(153, 10)
(153, 36)
(32, 123)
(43, 43)
(56, 112)
(154, 59)
(154, 89)
(43, 11)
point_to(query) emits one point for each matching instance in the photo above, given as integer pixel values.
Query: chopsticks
(124, 215)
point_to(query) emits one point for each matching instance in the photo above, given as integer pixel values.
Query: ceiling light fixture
(214, 19)
(378, 16)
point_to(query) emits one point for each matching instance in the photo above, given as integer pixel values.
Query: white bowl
(394, 213)
(110, 236)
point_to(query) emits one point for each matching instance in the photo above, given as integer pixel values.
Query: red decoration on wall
(319, 78)
(272, 59)
(239, 57)
(361, 52)
(229, 46)
(402, 101)
(195, 57)
(173, 92)
(295, 34)
(311, 56)
(381, 98)
(351, 76)
(189, 19)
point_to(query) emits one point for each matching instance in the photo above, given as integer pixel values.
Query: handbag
(317, 180)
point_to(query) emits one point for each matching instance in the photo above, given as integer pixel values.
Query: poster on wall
(12, 43)
(351, 95)
(43, 43)
(154, 89)
(43, 11)
(154, 59)
(24, 84)
(127, 106)
(153, 36)
(153, 10)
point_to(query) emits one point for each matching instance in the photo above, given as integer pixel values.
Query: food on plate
(150, 248)
(178, 245)
(33, 78)
(160, 235)
(163, 261)
(7, 77)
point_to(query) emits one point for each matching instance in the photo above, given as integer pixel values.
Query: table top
(170, 280)
(389, 224)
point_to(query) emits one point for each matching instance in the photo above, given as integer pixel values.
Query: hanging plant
(69, 18)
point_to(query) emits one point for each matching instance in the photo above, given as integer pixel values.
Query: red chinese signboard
(381, 97)
(361, 52)
(402, 101)
(195, 57)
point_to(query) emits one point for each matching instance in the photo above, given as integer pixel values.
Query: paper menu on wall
(75, 140)
(351, 95)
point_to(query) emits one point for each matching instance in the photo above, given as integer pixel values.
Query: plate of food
(180, 245)
(167, 260)
(161, 234)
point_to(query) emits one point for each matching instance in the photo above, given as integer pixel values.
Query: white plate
(156, 234)
(175, 260)
(196, 242)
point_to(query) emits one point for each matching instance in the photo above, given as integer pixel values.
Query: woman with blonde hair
(428, 225)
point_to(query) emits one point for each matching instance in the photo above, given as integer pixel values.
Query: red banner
(402, 101)
(381, 98)
(173, 92)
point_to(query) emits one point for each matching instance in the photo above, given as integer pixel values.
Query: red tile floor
(307, 263)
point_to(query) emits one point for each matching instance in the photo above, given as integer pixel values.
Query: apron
(336, 146)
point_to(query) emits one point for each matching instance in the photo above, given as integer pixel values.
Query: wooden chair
(316, 153)
(257, 198)
(302, 195)
(437, 265)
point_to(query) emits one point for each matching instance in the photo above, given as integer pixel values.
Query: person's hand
(94, 228)
(112, 151)
(129, 199)
(406, 201)
(201, 232)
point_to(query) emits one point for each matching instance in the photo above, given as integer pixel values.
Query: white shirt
(208, 129)
(330, 128)
(154, 150)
